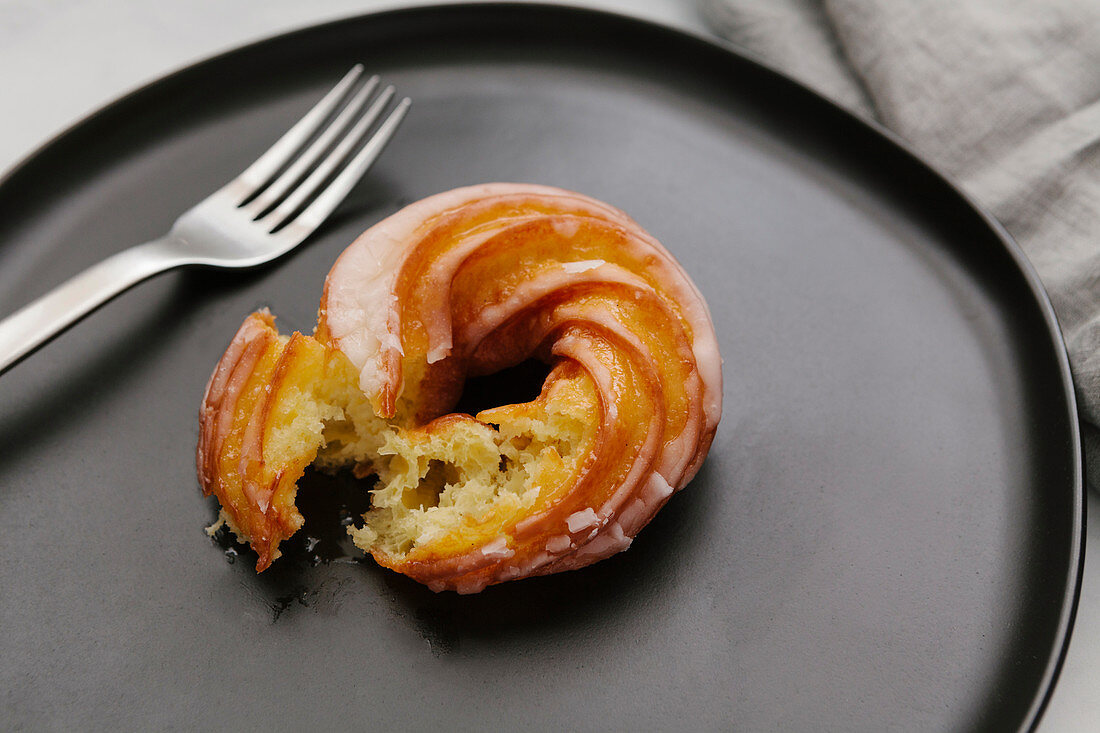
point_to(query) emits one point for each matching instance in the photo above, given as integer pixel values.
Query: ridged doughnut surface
(460, 284)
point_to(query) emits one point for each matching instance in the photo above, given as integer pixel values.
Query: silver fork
(263, 213)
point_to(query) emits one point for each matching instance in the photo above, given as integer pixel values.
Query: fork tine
(261, 171)
(338, 190)
(351, 173)
(301, 164)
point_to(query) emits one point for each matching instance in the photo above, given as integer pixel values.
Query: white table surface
(61, 59)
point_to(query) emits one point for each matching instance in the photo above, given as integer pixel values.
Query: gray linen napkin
(1001, 95)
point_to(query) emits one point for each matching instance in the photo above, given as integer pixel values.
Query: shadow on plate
(603, 593)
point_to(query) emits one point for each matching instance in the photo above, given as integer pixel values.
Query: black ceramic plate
(887, 532)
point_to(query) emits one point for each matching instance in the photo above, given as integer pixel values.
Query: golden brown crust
(235, 411)
(467, 283)
(224, 388)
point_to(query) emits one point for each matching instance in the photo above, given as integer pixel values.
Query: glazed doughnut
(461, 284)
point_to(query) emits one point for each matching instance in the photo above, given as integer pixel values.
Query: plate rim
(1075, 570)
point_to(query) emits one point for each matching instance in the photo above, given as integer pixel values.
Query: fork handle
(38, 322)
